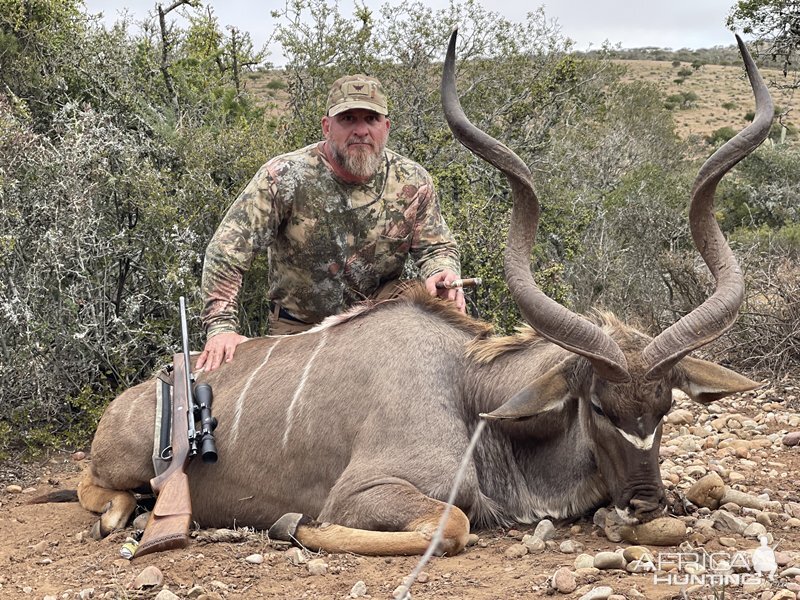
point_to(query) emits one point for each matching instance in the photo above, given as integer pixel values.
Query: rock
(472, 539)
(728, 542)
(423, 577)
(317, 566)
(612, 526)
(78, 456)
(166, 595)
(140, 522)
(752, 586)
(533, 544)
(742, 499)
(84, 594)
(645, 565)
(707, 491)
(664, 531)
(696, 471)
(790, 572)
(14, 489)
(694, 568)
(636, 553)
(680, 416)
(754, 530)
(793, 522)
(567, 547)
(544, 530)
(359, 589)
(584, 561)
(255, 559)
(608, 560)
(195, 592)
(563, 581)
(296, 556)
(400, 592)
(149, 577)
(784, 595)
(598, 593)
(735, 477)
(725, 521)
(516, 551)
(600, 514)
(791, 439)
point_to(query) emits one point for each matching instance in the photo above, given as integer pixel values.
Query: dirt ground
(45, 549)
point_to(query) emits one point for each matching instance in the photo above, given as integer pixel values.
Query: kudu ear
(705, 382)
(548, 392)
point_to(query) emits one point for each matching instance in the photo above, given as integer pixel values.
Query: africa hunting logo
(713, 569)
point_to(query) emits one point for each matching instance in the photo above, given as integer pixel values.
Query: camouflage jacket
(330, 243)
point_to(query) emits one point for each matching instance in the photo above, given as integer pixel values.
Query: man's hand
(218, 349)
(456, 294)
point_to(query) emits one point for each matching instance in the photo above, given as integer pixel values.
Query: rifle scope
(208, 447)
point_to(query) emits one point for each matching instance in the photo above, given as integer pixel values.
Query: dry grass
(270, 89)
(724, 96)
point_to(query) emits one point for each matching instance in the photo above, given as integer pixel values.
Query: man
(338, 219)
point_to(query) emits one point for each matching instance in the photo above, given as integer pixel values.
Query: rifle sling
(162, 431)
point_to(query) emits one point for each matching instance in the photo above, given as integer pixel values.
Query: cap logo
(356, 91)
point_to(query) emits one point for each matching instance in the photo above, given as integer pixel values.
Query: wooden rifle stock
(168, 525)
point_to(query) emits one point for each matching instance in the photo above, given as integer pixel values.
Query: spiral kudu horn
(712, 318)
(550, 319)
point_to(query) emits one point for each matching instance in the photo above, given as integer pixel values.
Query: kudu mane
(488, 349)
(415, 294)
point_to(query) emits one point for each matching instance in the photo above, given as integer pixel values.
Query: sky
(632, 23)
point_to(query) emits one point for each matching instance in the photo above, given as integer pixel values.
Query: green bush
(721, 135)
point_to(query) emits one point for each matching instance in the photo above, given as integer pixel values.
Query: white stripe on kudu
(298, 392)
(642, 443)
(240, 400)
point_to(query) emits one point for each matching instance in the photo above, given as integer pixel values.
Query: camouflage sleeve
(433, 247)
(247, 228)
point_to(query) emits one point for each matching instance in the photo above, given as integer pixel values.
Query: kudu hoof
(284, 528)
(96, 532)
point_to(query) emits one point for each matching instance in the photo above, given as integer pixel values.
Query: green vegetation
(683, 100)
(121, 149)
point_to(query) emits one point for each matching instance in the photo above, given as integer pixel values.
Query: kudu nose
(646, 510)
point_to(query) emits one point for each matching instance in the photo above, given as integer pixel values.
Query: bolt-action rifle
(168, 525)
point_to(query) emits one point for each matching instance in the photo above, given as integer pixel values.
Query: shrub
(721, 135)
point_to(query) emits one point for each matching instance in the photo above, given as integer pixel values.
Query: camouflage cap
(356, 91)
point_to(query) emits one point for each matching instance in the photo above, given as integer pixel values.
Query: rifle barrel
(187, 380)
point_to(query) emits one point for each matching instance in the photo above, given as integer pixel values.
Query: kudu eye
(596, 408)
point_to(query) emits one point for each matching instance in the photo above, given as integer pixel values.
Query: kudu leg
(115, 506)
(411, 518)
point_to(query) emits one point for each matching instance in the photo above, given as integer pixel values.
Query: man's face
(357, 138)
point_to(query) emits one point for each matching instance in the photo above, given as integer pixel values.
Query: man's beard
(360, 161)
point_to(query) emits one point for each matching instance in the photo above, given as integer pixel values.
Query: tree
(109, 192)
(776, 26)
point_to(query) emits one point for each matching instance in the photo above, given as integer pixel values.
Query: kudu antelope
(361, 422)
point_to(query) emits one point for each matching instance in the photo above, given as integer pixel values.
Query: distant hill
(710, 97)
(706, 89)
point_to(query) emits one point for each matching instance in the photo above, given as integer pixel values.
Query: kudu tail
(55, 496)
